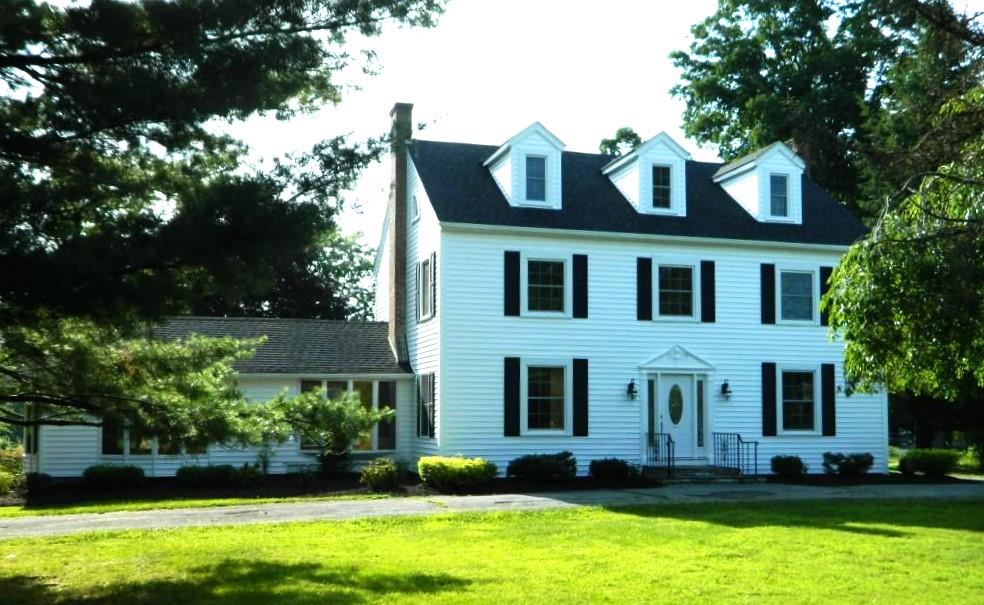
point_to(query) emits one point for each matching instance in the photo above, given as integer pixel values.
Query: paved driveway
(358, 509)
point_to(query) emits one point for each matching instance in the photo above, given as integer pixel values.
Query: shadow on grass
(887, 518)
(241, 582)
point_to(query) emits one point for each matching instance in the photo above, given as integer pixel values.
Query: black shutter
(824, 286)
(580, 398)
(510, 389)
(420, 407)
(581, 286)
(768, 399)
(510, 286)
(707, 297)
(433, 292)
(768, 294)
(644, 288)
(827, 391)
(432, 416)
(416, 289)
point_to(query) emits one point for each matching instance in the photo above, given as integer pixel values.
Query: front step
(696, 474)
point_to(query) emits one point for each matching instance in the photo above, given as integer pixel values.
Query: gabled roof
(534, 128)
(298, 346)
(660, 139)
(462, 190)
(751, 158)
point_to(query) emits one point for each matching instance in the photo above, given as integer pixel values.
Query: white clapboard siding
(479, 336)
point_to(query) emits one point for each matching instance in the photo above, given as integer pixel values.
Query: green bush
(105, 477)
(934, 463)
(379, 475)
(614, 470)
(544, 467)
(847, 465)
(247, 476)
(788, 467)
(8, 481)
(455, 473)
(12, 461)
(218, 475)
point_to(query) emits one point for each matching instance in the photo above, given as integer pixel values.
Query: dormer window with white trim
(652, 177)
(527, 169)
(536, 178)
(779, 195)
(662, 190)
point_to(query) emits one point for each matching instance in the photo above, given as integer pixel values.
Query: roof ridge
(355, 322)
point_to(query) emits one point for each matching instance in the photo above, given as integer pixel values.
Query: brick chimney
(400, 133)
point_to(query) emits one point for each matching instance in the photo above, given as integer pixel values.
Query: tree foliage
(625, 140)
(123, 202)
(855, 85)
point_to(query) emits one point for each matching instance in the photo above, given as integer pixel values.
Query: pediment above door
(677, 358)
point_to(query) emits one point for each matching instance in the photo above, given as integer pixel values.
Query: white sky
(491, 68)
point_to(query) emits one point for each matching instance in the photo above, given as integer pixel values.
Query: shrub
(379, 475)
(788, 467)
(104, 477)
(847, 465)
(248, 475)
(455, 473)
(219, 475)
(934, 463)
(12, 461)
(8, 481)
(615, 470)
(544, 467)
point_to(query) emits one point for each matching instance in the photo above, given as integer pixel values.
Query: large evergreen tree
(123, 203)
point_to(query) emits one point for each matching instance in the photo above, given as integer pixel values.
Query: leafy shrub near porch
(614, 470)
(847, 465)
(544, 467)
(104, 477)
(12, 460)
(455, 473)
(219, 475)
(379, 475)
(8, 481)
(934, 463)
(788, 467)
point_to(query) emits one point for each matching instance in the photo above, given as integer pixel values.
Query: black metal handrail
(659, 451)
(733, 452)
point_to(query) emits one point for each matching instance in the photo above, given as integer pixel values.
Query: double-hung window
(676, 291)
(546, 398)
(545, 286)
(779, 195)
(796, 298)
(425, 405)
(536, 178)
(661, 187)
(798, 400)
(427, 288)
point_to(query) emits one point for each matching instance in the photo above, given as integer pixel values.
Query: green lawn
(796, 552)
(113, 506)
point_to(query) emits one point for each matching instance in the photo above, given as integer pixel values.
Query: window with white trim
(798, 391)
(661, 186)
(536, 178)
(675, 285)
(425, 405)
(118, 440)
(546, 285)
(373, 394)
(546, 398)
(779, 195)
(796, 298)
(427, 288)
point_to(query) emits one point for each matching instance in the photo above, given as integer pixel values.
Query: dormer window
(779, 195)
(661, 186)
(536, 178)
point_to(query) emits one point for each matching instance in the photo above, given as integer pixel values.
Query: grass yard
(113, 506)
(796, 552)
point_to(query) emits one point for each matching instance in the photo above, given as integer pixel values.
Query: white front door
(676, 412)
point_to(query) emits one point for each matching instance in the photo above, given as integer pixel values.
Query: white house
(647, 307)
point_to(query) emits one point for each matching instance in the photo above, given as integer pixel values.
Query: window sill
(546, 315)
(797, 322)
(423, 320)
(798, 434)
(544, 433)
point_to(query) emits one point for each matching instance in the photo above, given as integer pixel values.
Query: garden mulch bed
(873, 479)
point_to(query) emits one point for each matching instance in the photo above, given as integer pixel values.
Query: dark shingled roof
(462, 190)
(298, 346)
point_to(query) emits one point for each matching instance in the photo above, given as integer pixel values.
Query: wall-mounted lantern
(630, 391)
(726, 389)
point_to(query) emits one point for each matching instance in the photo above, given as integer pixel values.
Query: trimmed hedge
(218, 475)
(788, 467)
(934, 463)
(847, 465)
(379, 475)
(455, 473)
(614, 470)
(105, 477)
(544, 467)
